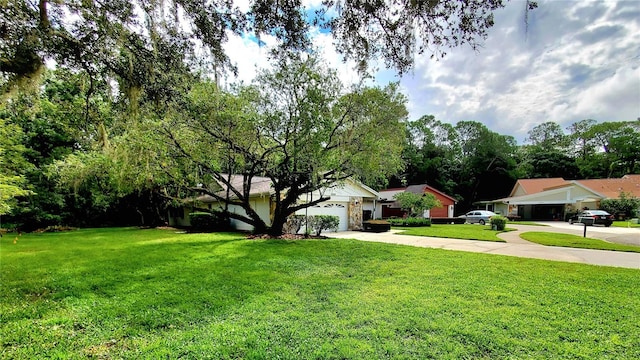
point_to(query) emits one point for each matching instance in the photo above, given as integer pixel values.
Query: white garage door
(338, 209)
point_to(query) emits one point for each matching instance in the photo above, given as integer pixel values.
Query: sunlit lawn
(625, 224)
(575, 241)
(150, 294)
(457, 231)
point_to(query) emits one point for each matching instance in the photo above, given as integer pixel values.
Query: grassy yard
(461, 231)
(625, 224)
(148, 294)
(575, 241)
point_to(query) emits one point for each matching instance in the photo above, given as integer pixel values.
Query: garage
(339, 209)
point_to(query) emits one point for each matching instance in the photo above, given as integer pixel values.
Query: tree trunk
(277, 225)
(282, 213)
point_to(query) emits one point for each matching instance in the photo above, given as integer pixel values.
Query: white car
(478, 216)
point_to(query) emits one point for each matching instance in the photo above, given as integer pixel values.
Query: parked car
(592, 217)
(478, 216)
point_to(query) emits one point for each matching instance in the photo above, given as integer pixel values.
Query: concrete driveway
(514, 246)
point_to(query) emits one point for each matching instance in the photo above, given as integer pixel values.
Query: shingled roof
(610, 188)
(259, 186)
(534, 186)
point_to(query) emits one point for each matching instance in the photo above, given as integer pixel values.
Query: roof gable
(388, 194)
(533, 186)
(569, 193)
(599, 188)
(350, 188)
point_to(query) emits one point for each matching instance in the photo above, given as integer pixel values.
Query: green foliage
(575, 241)
(209, 221)
(56, 119)
(431, 154)
(626, 205)
(548, 135)
(499, 222)
(13, 165)
(416, 204)
(410, 222)
(318, 223)
(627, 224)
(607, 149)
(294, 224)
(457, 231)
(10, 189)
(541, 162)
(145, 47)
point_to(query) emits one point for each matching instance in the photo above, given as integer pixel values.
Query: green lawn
(149, 294)
(575, 241)
(625, 224)
(459, 231)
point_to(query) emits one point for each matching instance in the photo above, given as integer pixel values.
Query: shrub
(416, 204)
(498, 222)
(204, 221)
(626, 206)
(410, 222)
(294, 224)
(323, 222)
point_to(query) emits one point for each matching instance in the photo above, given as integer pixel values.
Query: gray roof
(259, 186)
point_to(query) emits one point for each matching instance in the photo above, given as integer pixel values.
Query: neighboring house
(387, 206)
(555, 198)
(350, 200)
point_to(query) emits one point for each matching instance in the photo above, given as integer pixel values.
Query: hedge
(323, 222)
(410, 222)
(214, 221)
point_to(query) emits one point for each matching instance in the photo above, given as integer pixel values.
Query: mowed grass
(457, 231)
(575, 241)
(625, 224)
(149, 294)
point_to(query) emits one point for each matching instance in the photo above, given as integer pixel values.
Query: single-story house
(350, 200)
(556, 198)
(387, 206)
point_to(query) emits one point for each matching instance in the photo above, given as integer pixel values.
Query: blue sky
(578, 60)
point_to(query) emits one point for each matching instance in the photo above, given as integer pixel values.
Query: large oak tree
(297, 125)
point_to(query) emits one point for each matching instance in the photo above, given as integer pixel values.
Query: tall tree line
(73, 158)
(473, 163)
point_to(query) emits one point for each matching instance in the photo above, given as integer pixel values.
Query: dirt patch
(285, 236)
(167, 228)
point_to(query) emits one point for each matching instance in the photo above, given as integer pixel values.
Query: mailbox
(587, 220)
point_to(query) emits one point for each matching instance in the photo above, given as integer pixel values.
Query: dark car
(593, 217)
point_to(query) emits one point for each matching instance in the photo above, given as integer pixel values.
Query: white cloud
(577, 60)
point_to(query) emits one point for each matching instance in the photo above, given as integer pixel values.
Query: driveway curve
(627, 236)
(514, 246)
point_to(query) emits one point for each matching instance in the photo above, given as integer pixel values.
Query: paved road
(513, 247)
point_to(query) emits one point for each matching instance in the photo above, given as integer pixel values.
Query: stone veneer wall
(355, 213)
